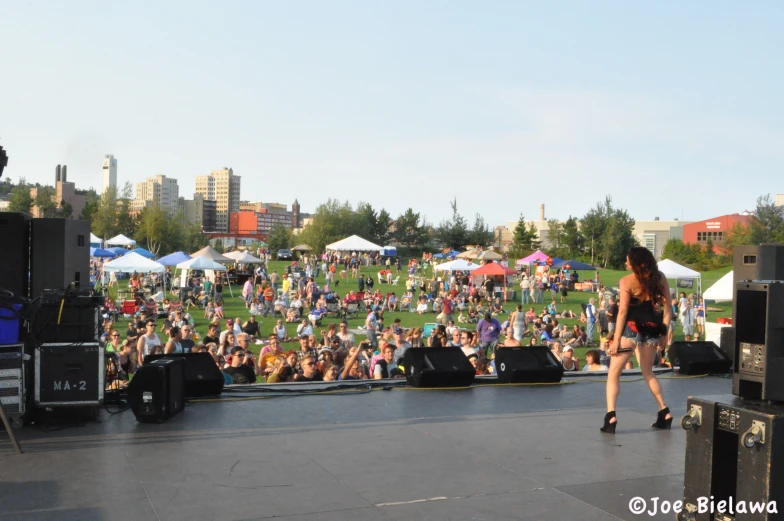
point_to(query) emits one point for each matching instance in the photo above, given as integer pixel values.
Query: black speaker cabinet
(727, 342)
(759, 341)
(529, 364)
(59, 255)
(437, 367)
(69, 374)
(756, 263)
(15, 238)
(733, 453)
(156, 392)
(72, 323)
(699, 358)
(202, 376)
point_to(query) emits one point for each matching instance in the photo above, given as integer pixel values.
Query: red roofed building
(716, 229)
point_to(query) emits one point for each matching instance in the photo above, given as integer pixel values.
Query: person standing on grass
(590, 318)
(488, 329)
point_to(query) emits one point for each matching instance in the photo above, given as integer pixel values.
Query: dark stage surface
(487, 453)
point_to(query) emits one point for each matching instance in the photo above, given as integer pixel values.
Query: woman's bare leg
(617, 363)
(646, 356)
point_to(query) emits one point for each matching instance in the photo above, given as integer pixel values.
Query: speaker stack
(735, 443)
(156, 392)
(437, 367)
(529, 364)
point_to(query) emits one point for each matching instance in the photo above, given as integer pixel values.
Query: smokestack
(65, 168)
(541, 212)
(57, 170)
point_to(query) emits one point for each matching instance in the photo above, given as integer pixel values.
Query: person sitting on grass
(251, 327)
(280, 332)
(241, 368)
(498, 307)
(422, 305)
(567, 313)
(461, 318)
(209, 310)
(483, 366)
(568, 360)
(352, 370)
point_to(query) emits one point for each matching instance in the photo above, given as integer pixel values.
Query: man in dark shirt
(612, 314)
(240, 371)
(251, 327)
(308, 373)
(186, 341)
(212, 335)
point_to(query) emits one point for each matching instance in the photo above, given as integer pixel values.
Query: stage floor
(486, 453)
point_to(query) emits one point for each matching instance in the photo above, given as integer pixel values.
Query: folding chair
(128, 308)
(396, 280)
(351, 310)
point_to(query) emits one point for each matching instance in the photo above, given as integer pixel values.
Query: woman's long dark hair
(646, 270)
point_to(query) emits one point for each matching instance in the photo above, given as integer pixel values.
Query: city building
(109, 173)
(200, 211)
(714, 229)
(779, 199)
(65, 194)
(158, 190)
(223, 187)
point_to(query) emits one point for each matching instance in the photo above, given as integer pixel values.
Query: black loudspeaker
(699, 358)
(733, 459)
(15, 238)
(529, 364)
(69, 374)
(763, 262)
(727, 342)
(59, 255)
(759, 341)
(202, 376)
(156, 392)
(437, 367)
(71, 323)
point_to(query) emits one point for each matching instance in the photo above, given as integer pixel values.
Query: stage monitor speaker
(69, 374)
(15, 238)
(727, 342)
(756, 263)
(733, 457)
(60, 255)
(438, 367)
(156, 391)
(529, 364)
(695, 358)
(202, 376)
(759, 341)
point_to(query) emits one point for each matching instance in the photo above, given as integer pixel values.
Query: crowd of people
(466, 316)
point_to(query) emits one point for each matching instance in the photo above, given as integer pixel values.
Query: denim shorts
(640, 338)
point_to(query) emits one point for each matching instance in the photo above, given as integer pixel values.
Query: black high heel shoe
(608, 427)
(661, 421)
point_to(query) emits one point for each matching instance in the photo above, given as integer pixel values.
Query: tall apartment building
(223, 187)
(109, 173)
(157, 190)
(200, 211)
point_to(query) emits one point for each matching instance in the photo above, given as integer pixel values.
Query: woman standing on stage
(643, 319)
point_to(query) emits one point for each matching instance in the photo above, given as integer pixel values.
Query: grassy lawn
(235, 307)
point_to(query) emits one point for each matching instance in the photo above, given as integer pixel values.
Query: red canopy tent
(493, 269)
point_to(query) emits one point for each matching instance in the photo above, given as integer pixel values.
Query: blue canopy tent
(450, 255)
(117, 250)
(573, 265)
(389, 251)
(174, 258)
(100, 252)
(144, 253)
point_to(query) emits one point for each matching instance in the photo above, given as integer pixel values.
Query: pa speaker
(60, 255)
(699, 358)
(155, 393)
(15, 238)
(437, 367)
(202, 376)
(727, 341)
(529, 364)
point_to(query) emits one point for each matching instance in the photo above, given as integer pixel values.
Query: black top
(318, 377)
(646, 319)
(211, 340)
(241, 375)
(251, 328)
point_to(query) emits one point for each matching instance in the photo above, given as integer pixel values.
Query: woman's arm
(620, 321)
(667, 307)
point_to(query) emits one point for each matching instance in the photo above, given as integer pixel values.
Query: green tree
(45, 202)
(332, 221)
(767, 223)
(193, 238)
(453, 233)
(157, 230)
(279, 238)
(611, 234)
(408, 229)
(384, 223)
(126, 223)
(737, 235)
(104, 218)
(481, 235)
(555, 236)
(573, 239)
(524, 238)
(20, 199)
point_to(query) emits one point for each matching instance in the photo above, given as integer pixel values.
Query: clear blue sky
(673, 108)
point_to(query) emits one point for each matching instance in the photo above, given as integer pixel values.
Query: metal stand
(10, 431)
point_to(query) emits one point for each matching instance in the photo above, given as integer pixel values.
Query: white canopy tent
(205, 264)
(133, 262)
(673, 270)
(353, 243)
(722, 290)
(211, 253)
(120, 240)
(243, 257)
(456, 265)
(94, 239)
